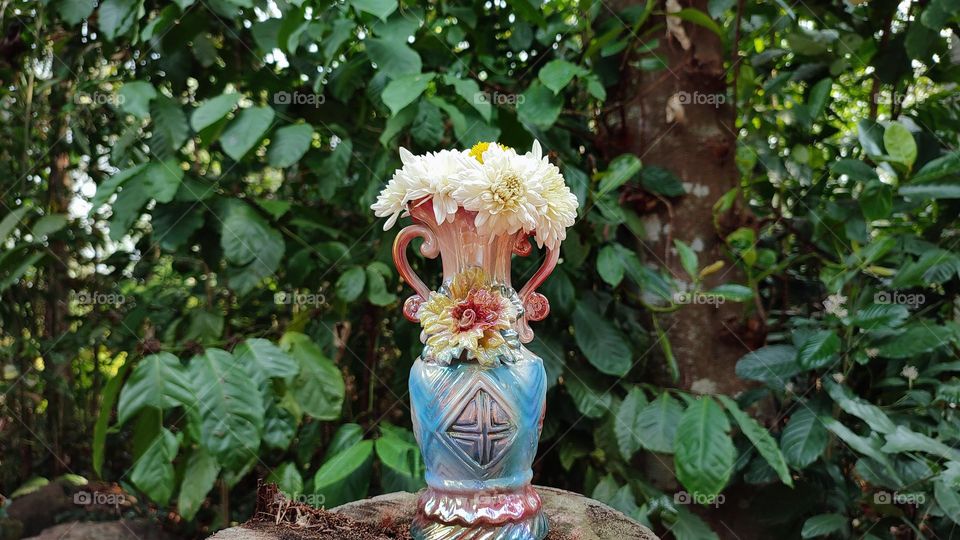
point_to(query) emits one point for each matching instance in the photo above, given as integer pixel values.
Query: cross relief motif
(483, 430)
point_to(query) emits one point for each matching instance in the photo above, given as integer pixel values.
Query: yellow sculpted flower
(469, 315)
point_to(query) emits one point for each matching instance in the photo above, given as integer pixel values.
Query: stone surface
(104, 530)
(572, 517)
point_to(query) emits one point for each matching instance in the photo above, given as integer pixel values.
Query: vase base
(534, 527)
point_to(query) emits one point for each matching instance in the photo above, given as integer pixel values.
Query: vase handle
(536, 307)
(430, 249)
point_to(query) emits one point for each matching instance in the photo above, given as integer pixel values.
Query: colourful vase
(477, 405)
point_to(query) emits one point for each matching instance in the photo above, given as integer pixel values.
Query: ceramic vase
(477, 422)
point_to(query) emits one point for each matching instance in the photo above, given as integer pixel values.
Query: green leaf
(377, 286)
(212, 110)
(610, 266)
(700, 18)
(404, 90)
(946, 491)
(589, 393)
(319, 388)
(938, 169)
(819, 349)
(198, 479)
(378, 8)
(162, 180)
(11, 220)
(917, 339)
(289, 144)
(825, 525)
(108, 397)
(862, 409)
(126, 209)
(732, 292)
(403, 468)
(158, 381)
(346, 476)
(245, 131)
(903, 439)
(659, 180)
(48, 225)
(469, 90)
(930, 191)
(287, 478)
(601, 342)
(689, 526)
(153, 473)
(266, 359)
(170, 129)
(855, 169)
(656, 424)
(135, 98)
(540, 107)
(279, 425)
(876, 200)
(393, 57)
(557, 74)
(761, 439)
(244, 234)
(621, 170)
(350, 284)
(900, 145)
(117, 17)
(347, 435)
(74, 11)
(626, 428)
(704, 451)
(773, 365)
(231, 408)
(108, 187)
(819, 95)
(870, 134)
(688, 258)
(803, 439)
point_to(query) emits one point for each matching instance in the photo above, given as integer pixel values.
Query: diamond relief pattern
(483, 430)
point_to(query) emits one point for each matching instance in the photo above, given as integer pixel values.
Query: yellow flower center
(507, 190)
(478, 149)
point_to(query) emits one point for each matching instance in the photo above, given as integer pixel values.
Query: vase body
(477, 424)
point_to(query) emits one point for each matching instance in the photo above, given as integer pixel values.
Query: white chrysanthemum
(443, 169)
(560, 210)
(430, 175)
(504, 190)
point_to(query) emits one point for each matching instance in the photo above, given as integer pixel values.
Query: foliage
(194, 286)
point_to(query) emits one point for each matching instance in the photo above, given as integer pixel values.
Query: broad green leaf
(618, 497)
(135, 98)
(245, 233)
(941, 168)
(540, 107)
(394, 57)
(946, 491)
(402, 467)
(690, 526)
(903, 439)
(117, 17)
(803, 439)
(378, 8)
(601, 342)
(404, 90)
(819, 95)
(825, 525)
(761, 439)
(589, 393)
(773, 365)
(319, 388)
(231, 408)
(870, 134)
(266, 359)
(656, 424)
(704, 457)
(126, 209)
(279, 425)
(48, 225)
(170, 129)
(161, 180)
(198, 479)
(876, 200)
(688, 258)
(700, 18)
(347, 435)
(346, 476)
(74, 11)
(109, 186)
(610, 266)
(732, 292)
(377, 292)
(153, 472)
(212, 110)
(862, 409)
(108, 397)
(620, 171)
(854, 169)
(287, 478)
(626, 427)
(867, 446)
(289, 144)
(659, 180)
(900, 145)
(158, 381)
(557, 74)
(11, 220)
(917, 339)
(933, 190)
(469, 90)
(245, 131)
(350, 284)
(819, 349)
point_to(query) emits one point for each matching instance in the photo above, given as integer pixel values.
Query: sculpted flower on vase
(471, 318)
